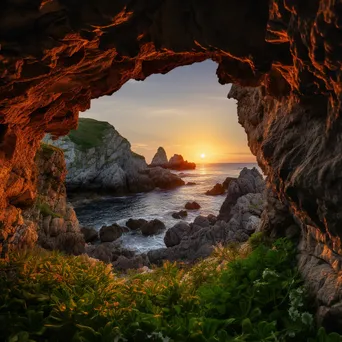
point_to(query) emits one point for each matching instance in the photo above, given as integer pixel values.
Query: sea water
(160, 204)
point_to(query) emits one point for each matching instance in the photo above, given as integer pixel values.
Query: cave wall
(56, 55)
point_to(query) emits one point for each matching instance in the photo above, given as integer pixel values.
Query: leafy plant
(238, 294)
(45, 209)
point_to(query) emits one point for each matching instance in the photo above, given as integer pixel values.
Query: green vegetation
(238, 294)
(48, 150)
(45, 209)
(89, 133)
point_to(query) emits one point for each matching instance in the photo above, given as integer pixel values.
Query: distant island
(176, 162)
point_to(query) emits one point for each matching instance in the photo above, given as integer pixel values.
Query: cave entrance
(186, 112)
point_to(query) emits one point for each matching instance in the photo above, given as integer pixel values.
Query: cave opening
(186, 112)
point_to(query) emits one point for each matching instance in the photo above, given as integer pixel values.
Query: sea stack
(160, 158)
(176, 162)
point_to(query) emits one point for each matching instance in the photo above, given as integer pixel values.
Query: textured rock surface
(163, 179)
(299, 152)
(54, 219)
(90, 234)
(217, 189)
(99, 159)
(110, 233)
(249, 181)
(160, 158)
(152, 227)
(180, 214)
(135, 224)
(176, 162)
(61, 54)
(190, 242)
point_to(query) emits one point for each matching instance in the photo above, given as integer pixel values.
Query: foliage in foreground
(238, 294)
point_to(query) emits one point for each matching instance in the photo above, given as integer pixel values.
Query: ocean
(160, 204)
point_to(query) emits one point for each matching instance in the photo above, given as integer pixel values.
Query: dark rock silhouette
(110, 233)
(192, 206)
(153, 227)
(218, 189)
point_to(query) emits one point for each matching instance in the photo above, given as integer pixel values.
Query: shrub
(89, 133)
(45, 209)
(238, 294)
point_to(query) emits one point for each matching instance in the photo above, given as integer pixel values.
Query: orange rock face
(57, 55)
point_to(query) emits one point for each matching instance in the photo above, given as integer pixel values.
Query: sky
(186, 111)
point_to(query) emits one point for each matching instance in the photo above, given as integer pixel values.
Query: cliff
(54, 220)
(99, 159)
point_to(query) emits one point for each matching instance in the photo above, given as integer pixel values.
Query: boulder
(192, 206)
(135, 224)
(110, 233)
(108, 251)
(191, 183)
(180, 214)
(101, 252)
(70, 243)
(218, 189)
(177, 162)
(226, 182)
(164, 179)
(123, 263)
(249, 181)
(175, 234)
(212, 219)
(201, 221)
(90, 234)
(160, 158)
(152, 227)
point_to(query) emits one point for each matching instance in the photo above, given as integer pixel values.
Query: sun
(202, 155)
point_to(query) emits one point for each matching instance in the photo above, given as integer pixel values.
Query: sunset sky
(186, 111)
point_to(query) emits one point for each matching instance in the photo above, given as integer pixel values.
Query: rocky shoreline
(238, 219)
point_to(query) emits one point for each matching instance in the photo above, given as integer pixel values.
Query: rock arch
(284, 57)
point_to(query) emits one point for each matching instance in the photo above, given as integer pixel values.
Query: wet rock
(164, 179)
(110, 233)
(191, 183)
(218, 189)
(174, 235)
(123, 263)
(179, 215)
(152, 227)
(192, 206)
(212, 219)
(135, 224)
(201, 221)
(90, 234)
